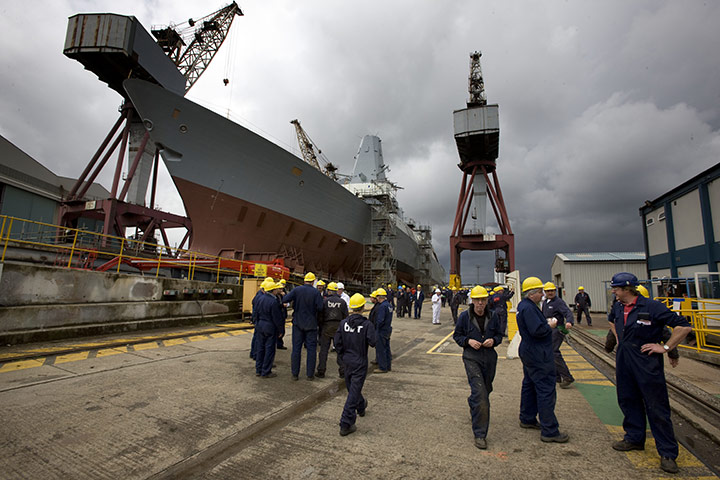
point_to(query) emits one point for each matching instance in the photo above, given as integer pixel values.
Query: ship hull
(247, 196)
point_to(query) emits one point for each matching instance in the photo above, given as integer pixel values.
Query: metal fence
(704, 316)
(83, 249)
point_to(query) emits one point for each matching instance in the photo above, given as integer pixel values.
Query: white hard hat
(437, 290)
(340, 286)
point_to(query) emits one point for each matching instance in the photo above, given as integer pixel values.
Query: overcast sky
(603, 105)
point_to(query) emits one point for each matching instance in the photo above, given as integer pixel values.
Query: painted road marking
(156, 341)
(71, 357)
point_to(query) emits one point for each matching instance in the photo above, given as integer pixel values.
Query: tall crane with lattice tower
(115, 48)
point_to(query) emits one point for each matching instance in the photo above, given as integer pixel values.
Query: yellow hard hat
(282, 280)
(331, 286)
(530, 283)
(320, 282)
(267, 284)
(380, 292)
(549, 286)
(309, 277)
(373, 294)
(581, 287)
(643, 291)
(357, 301)
(269, 279)
(389, 284)
(419, 286)
(478, 291)
(276, 286)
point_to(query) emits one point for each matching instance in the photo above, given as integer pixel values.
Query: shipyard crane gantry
(116, 48)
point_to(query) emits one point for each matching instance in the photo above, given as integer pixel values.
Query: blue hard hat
(624, 279)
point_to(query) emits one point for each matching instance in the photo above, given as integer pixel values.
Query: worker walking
(307, 302)
(538, 396)
(555, 307)
(419, 299)
(455, 301)
(436, 303)
(638, 324)
(352, 339)
(268, 282)
(270, 325)
(383, 330)
(478, 333)
(334, 310)
(582, 304)
(400, 301)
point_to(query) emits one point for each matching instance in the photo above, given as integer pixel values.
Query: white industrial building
(593, 271)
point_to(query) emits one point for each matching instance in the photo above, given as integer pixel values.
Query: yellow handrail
(81, 245)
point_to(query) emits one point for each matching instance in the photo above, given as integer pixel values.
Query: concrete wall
(39, 285)
(47, 302)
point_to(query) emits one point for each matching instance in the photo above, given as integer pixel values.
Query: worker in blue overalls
(538, 396)
(638, 324)
(383, 328)
(478, 333)
(352, 339)
(253, 315)
(554, 306)
(307, 302)
(269, 327)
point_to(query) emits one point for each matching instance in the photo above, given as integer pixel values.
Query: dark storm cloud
(602, 104)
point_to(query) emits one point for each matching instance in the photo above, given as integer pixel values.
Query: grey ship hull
(246, 194)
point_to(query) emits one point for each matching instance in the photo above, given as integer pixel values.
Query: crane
(203, 38)
(308, 148)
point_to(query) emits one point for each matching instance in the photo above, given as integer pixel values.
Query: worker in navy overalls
(478, 332)
(537, 397)
(307, 302)
(554, 306)
(334, 310)
(352, 338)
(269, 327)
(638, 324)
(498, 304)
(383, 328)
(268, 282)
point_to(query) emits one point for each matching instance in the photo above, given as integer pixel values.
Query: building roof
(19, 169)
(703, 177)
(602, 257)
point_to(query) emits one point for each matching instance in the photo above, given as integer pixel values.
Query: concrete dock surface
(190, 406)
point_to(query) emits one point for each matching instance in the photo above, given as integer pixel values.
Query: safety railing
(704, 316)
(84, 249)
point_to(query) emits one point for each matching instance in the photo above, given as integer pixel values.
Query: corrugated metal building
(571, 270)
(681, 228)
(30, 191)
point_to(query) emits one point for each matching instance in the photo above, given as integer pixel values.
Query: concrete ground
(191, 407)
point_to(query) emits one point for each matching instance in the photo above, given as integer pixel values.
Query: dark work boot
(668, 464)
(347, 431)
(623, 446)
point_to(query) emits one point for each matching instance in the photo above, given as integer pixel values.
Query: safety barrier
(83, 249)
(704, 316)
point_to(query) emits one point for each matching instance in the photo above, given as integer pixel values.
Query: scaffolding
(379, 263)
(424, 236)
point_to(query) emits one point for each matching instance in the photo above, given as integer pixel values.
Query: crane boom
(306, 146)
(207, 41)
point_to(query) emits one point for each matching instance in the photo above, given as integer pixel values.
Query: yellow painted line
(443, 353)
(440, 342)
(219, 335)
(71, 357)
(145, 346)
(106, 352)
(197, 338)
(174, 341)
(604, 383)
(237, 332)
(648, 458)
(235, 325)
(22, 364)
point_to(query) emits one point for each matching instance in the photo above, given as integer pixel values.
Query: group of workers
(639, 327)
(325, 314)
